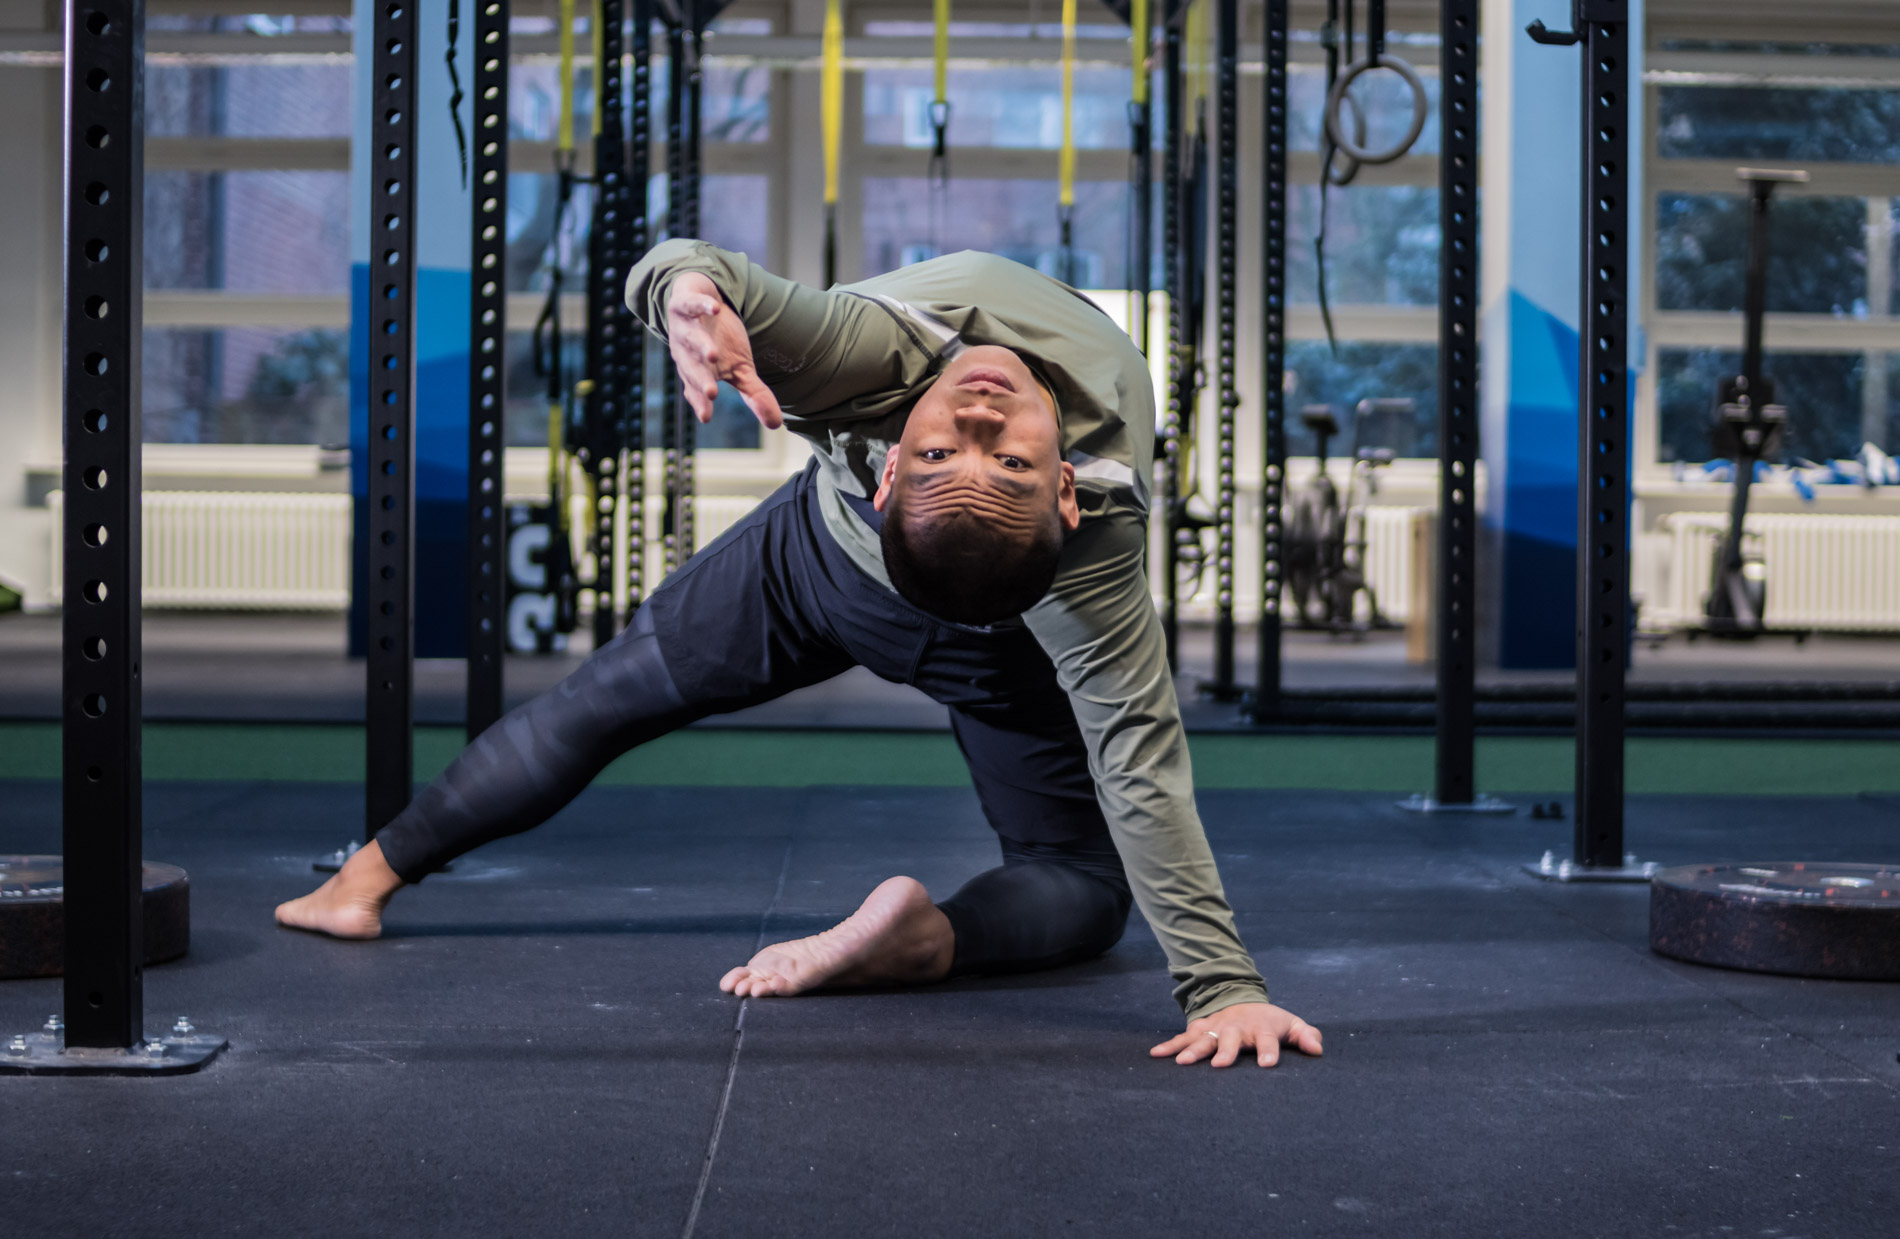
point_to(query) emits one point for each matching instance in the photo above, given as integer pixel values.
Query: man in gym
(974, 522)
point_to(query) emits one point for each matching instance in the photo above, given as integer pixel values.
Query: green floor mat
(1513, 765)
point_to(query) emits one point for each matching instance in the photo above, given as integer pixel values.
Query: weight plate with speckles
(33, 915)
(1801, 918)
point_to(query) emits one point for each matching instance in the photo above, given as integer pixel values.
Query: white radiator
(1389, 559)
(238, 551)
(1830, 573)
(1388, 570)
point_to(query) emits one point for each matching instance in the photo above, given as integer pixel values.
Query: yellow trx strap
(1195, 40)
(942, 12)
(831, 101)
(564, 136)
(831, 88)
(1138, 20)
(1068, 103)
(940, 105)
(1065, 194)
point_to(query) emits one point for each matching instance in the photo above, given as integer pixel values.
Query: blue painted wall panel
(441, 341)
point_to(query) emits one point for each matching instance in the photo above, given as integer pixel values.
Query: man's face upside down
(983, 444)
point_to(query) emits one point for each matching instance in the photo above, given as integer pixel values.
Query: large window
(1832, 334)
(250, 232)
(246, 385)
(268, 99)
(907, 220)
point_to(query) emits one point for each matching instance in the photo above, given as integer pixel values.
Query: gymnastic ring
(1343, 179)
(1421, 105)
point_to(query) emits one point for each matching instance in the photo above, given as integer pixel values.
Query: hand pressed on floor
(1258, 1026)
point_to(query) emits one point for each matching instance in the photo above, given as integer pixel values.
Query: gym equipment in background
(831, 107)
(939, 176)
(1798, 918)
(1065, 158)
(1602, 33)
(104, 942)
(610, 445)
(1747, 424)
(488, 371)
(1342, 137)
(1140, 247)
(686, 23)
(1325, 542)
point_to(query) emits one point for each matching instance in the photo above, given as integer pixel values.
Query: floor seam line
(732, 1062)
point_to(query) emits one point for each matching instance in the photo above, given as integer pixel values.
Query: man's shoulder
(969, 276)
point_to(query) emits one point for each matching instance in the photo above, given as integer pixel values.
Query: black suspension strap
(455, 87)
(1140, 241)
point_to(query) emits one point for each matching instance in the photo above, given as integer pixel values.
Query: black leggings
(774, 605)
(1046, 905)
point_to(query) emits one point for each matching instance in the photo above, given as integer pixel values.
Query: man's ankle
(368, 873)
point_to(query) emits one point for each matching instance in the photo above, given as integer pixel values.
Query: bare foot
(897, 937)
(350, 904)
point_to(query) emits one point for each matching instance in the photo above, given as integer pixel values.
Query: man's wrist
(692, 284)
(1230, 995)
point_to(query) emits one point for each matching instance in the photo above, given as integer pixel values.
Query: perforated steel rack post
(1174, 272)
(678, 433)
(689, 226)
(101, 770)
(1226, 242)
(1602, 27)
(1454, 782)
(610, 330)
(487, 368)
(633, 484)
(392, 455)
(1603, 570)
(1266, 693)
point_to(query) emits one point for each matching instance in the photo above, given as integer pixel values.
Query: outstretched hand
(710, 346)
(1257, 1026)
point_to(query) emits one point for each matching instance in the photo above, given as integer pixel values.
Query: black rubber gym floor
(538, 1046)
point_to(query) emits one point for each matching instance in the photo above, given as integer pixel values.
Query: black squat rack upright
(102, 1028)
(1601, 29)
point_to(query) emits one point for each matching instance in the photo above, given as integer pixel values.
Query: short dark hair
(961, 568)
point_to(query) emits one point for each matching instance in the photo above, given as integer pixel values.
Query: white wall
(30, 220)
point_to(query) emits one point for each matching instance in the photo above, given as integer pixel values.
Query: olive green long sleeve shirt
(848, 365)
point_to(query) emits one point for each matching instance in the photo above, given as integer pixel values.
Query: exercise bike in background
(1325, 546)
(1747, 424)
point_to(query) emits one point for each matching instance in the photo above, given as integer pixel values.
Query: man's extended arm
(817, 351)
(1100, 628)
